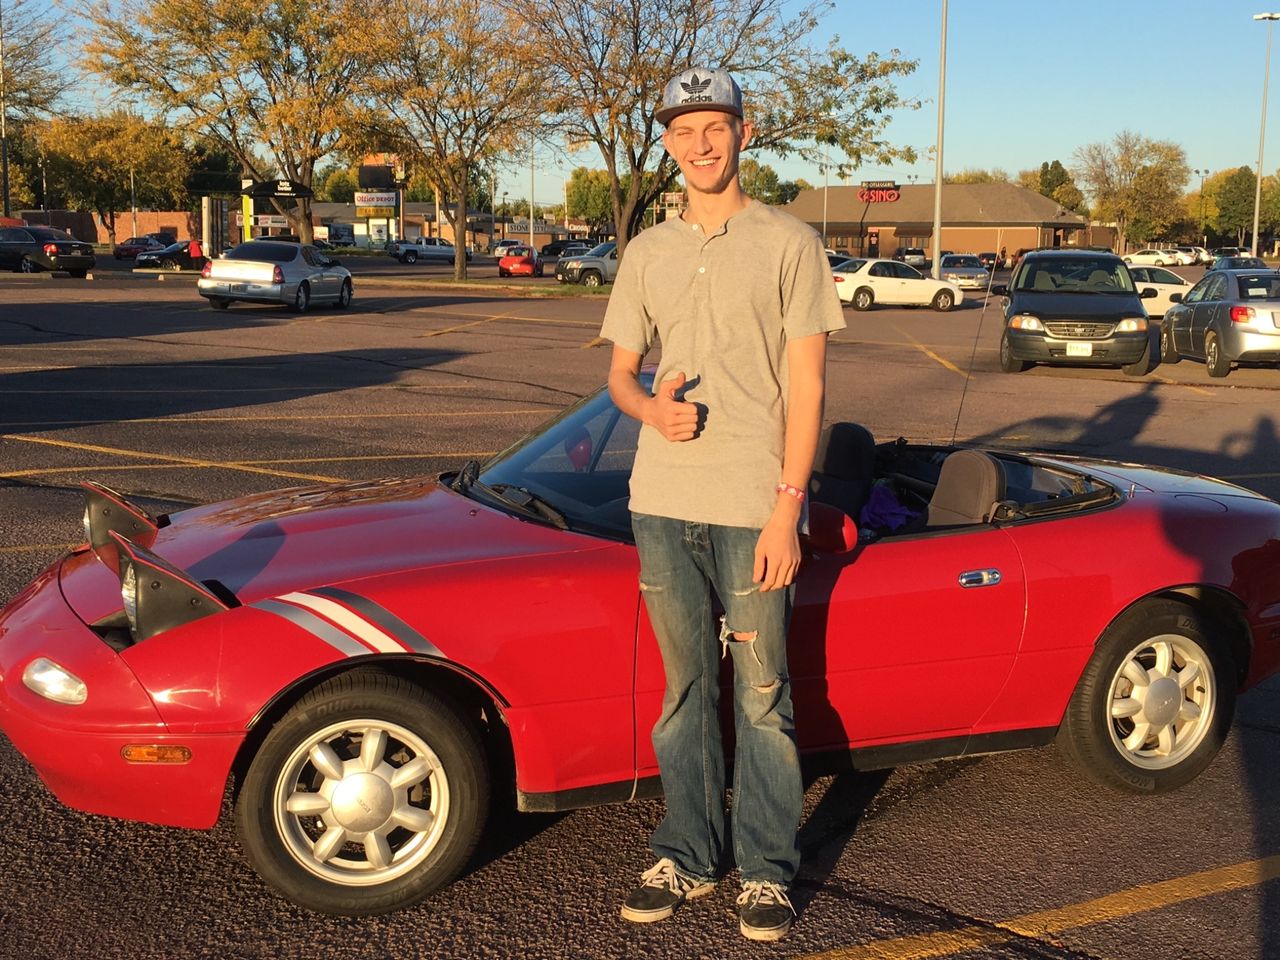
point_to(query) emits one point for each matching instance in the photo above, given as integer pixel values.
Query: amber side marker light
(155, 753)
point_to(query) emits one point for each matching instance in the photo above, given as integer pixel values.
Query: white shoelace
(663, 874)
(764, 893)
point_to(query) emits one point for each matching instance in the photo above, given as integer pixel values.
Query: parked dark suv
(1074, 307)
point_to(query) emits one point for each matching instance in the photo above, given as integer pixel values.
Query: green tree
(1235, 203)
(759, 181)
(609, 71)
(105, 163)
(1133, 180)
(273, 81)
(338, 186)
(589, 199)
(788, 190)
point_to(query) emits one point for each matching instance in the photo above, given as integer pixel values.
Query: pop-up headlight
(105, 511)
(49, 680)
(157, 596)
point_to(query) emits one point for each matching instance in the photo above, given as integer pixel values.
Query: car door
(1206, 311)
(912, 288)
(885, 643)
(1180, 316)
(322, 278)
(1166, 284)
(883, 280)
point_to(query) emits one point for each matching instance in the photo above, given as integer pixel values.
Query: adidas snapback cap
(699, 88)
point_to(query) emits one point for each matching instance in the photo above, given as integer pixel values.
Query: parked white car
(1153, 257)
(865, 283)
(1165, 282)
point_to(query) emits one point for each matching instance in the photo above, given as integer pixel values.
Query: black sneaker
(764, 910)
(661, 890)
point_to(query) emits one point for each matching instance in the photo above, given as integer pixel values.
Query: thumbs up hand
(675, 419)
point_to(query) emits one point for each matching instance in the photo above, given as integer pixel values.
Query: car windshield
(47, 233)
(602, 251)
(961, 261)
(1259, 286)
(266, 252)
(1075, 275)
(579, 464)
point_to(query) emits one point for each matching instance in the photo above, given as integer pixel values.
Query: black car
(33, 249)
(1074, 307)
(556, 247)
(183, 255)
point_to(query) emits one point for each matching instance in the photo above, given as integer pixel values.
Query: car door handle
(980, 578)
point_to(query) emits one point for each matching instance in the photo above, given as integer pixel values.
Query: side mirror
(1175, 298)
(1000, 290)
(831, 530)
(1149, 292)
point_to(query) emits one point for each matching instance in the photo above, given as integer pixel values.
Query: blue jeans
(680, 562)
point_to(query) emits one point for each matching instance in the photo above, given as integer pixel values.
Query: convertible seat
(969, 487)
(844, 468)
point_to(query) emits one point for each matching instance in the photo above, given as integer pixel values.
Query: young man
(740, 295)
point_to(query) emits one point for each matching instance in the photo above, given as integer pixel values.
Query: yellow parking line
(12, 424)
(1178, 383)
(145, 455)
(1044, 923)
(36, 547)
(933, 356)
(594, 342)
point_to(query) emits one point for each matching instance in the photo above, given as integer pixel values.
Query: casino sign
(878, 191)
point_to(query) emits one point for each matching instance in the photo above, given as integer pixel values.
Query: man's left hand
(777, 554)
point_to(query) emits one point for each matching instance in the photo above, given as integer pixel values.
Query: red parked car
(134, 246)
(520, 261)
(368, 659)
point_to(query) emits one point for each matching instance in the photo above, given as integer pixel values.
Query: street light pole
(504, 214)
(4, 133)
(133, 203)
(1262, 129)
(1204, 239)
(937, 177)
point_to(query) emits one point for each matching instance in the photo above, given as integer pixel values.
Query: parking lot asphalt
(138, 385)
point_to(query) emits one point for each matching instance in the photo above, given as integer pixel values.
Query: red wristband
(790, 491)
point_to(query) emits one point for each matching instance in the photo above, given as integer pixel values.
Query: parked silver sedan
(270, 271)
(1229, 316)
(964, 270)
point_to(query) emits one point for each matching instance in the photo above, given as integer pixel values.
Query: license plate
(1079, 349)
(237, 287)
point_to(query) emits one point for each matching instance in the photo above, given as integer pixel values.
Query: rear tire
(943, 301)
(863, 299)
(79, 274)
(28, 266)
(1155, 701)
(1168, 352)
(219, 303)
(302, 298)
(1008, 363)
(1214, 361)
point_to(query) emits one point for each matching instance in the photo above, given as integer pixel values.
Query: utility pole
(133, 203)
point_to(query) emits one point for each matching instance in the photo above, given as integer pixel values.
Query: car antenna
(968, 373)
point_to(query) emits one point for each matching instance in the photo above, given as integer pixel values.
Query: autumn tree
(974, 175)
(609, 71)
(271, 80)
(94, 160)
(456, 85)
(34, 78)
(1133, 180)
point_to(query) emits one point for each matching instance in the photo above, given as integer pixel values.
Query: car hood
(1077, 306)
(270, 544)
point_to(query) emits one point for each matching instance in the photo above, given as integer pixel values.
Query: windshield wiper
(466, 476)
(522, 498)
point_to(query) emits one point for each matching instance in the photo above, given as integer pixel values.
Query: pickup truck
(424, 248)
(596, 266)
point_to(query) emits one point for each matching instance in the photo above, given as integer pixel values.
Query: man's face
(705, 144)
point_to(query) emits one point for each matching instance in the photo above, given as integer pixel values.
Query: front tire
(1214, 360)
(368, 795)
(219, 303)
(344, 295)
(1008, 363)
(410, 257)
(943, 301)
(592, 278)
(302, 298)
(863, 299)
(1140, 367)
(1155, 701)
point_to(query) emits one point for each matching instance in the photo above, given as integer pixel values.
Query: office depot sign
(878, 191)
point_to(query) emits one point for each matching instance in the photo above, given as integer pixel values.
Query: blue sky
(1029, 81)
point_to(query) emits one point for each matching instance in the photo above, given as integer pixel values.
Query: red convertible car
(373, 665)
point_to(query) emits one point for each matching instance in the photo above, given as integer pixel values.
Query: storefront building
(877, 218)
